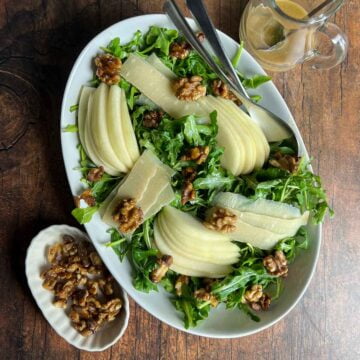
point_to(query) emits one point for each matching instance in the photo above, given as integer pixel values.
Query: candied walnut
(286, 162)
(188, 193)
(152, 119)
(180, 282)
(222, 220)
(276, 264)
(198, 154)
(95, 174)
(203, 295)
(164, 263)
(60, 303)
(189, 89)
(208, 282)
(108, 68)
(254, 294)
(189, 173)
(221, 89)
(128, 215)
(54, 253)
(95, 259)
(49, 283)
(87, 196)
(180, 50)
(265, 302)
(80, 296)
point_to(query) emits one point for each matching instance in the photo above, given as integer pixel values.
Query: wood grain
(39, 42)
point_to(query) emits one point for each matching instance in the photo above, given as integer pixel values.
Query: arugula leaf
(159, 38)
(74, 107)
(255, 81)
(70, 128)
(118, 243)
(236, 59)
(84, 215)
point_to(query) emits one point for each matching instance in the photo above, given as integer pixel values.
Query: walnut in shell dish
(101, 316)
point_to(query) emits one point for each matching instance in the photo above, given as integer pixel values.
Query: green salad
(203, 186)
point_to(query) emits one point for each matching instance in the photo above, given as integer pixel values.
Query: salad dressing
(278, 41)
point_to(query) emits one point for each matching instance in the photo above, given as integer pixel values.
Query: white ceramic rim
(132, 292)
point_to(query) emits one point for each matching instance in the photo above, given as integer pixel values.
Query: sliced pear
(128, 130)
(89, 145)
(86, 91)
(202, 252)
(283, 227)
(99, 129)
(192, 226)
(258, 206)
(114, 126)
(244, 133)
(255, 236)
(243, 147)
(212, 270)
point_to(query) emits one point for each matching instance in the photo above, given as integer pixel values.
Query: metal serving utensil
(274, 128)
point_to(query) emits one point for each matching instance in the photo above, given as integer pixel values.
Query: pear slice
(223, 254)
(212, 270)
(191, 226)
(284, 227)
(99, 129)
(82, 112)
(258, 206)
(89, 145)
(114, 126)
(128, 130)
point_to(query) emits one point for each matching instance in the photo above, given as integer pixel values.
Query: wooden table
(39, 42)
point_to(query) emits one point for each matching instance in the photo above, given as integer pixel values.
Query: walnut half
(128, 215)
(222, 220)
(108, 68)
(164, 263)
(189, 89)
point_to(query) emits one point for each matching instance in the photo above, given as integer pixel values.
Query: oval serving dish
(221, 323)
(36, 262)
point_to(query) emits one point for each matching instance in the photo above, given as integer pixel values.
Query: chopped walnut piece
(108, 68)
(221, 89)
(265, 301)
(95, 174)
(164, 263)
(189, 174)
(54, 252)
(60, 303)
(198, 154)
(254, 294)
(189, 89)
(222, 220)
(286, 162)
(87, 196)
(180, 50)
(203, 295)
(152, 119)
(188, 193)
(208, 282)
(276, 264)
(128, 215)
(180, 282)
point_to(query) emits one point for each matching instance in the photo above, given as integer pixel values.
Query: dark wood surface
(39, 42)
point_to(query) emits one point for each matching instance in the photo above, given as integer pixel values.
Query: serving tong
(274, 127)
